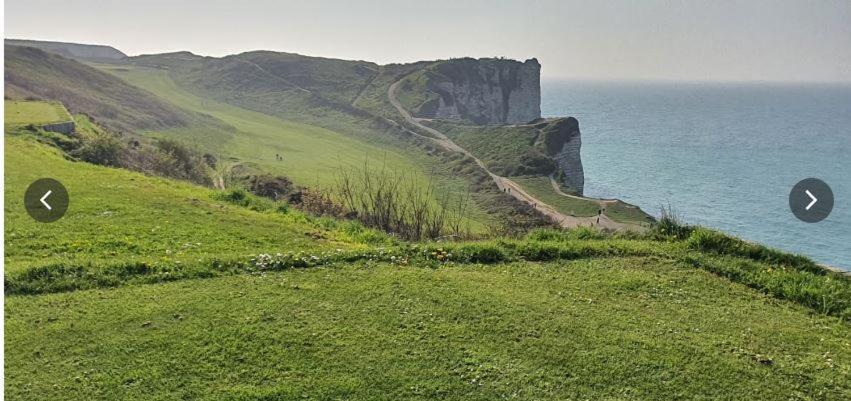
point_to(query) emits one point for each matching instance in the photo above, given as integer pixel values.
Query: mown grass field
(556, 315)
(612, 328)
(20, 112)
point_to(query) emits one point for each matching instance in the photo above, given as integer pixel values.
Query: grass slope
(506, 150)
(312, 156)
(541, 188)
(334, 79)
(33, 73)
(119, 215)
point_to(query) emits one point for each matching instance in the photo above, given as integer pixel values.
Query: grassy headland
(155, 288)
(179, 291)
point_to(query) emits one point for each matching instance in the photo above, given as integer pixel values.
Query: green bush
(561, 235)
(670, 225)
(102, 149)
(538, 251)
(365, 235)
(482, 253)
(243, 198)
(545, 234)
(185, 163)
(236, 196)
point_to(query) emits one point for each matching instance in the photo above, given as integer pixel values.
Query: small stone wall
(66, 127)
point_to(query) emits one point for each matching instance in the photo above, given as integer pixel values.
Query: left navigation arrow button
(46, 200)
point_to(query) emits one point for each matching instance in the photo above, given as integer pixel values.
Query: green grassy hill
(311, 155)
(238, 110)
(116, 215)
(99, 53)
(151, 289)
(259, 73)
(33, 73)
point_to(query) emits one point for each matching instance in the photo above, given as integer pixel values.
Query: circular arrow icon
(811, 200)
(46, 200)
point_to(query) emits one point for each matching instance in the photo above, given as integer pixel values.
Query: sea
(721, 155)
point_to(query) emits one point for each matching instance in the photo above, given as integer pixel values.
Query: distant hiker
(599, 212)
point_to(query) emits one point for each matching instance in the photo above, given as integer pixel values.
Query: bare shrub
(317, 203)
(398, 203)
(272, 187)
(671, 224)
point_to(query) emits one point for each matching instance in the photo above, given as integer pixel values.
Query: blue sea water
(722, 155)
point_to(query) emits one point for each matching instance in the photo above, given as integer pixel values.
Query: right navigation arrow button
(811, 200)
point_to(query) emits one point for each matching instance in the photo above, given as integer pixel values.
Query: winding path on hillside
(366, 86)
(274, 76)
(503, 183)
(601, 202)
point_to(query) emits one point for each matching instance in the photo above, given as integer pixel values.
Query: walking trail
(506, 184)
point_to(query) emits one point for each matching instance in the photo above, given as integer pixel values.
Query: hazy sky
(774, 40)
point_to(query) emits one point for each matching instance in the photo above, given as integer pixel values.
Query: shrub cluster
(395, 202)
(241, 197)
(162, 157)
(671, 226)
(318, 203)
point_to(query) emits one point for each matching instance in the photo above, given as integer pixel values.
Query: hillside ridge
(88, 52)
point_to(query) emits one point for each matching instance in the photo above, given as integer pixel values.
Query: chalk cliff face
(562, 140)
(483, 91)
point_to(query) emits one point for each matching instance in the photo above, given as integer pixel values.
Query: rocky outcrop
(483, 91)
(562, 141)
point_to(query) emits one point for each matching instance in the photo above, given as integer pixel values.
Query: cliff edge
(498, 100)
(485, 91)
(561, 140)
